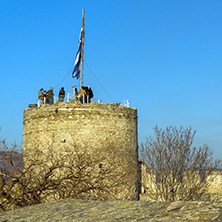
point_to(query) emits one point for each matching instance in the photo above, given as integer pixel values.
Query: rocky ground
(83, 210)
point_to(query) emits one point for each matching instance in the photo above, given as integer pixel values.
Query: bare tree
(173, 169)
(76, 172)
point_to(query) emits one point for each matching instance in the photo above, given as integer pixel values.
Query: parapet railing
(85, 99)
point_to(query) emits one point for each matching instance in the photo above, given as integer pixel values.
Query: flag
(76, 68)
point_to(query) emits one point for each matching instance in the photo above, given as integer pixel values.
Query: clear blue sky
(164, 56)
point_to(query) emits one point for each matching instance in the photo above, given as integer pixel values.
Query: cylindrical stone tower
(93, 123)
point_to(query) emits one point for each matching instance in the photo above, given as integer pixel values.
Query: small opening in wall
(100, 165)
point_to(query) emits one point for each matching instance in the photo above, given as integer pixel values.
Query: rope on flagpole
(98, 80)
(94, 77)
(62, 80)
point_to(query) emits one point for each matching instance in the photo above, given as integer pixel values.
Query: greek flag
(76, 68)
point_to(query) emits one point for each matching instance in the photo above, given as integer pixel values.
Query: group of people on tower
(46, 96)
(84, 95)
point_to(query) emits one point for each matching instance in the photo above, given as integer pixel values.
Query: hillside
(82, 210)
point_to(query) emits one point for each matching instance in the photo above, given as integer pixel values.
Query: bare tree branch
(175, 170)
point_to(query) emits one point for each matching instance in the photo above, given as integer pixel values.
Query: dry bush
(174, 170)
(73, 173)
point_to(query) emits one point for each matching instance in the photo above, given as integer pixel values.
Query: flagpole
(83, 41)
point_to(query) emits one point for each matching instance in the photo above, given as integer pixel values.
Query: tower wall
(94, 124)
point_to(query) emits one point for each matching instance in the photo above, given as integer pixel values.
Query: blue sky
(164, 56)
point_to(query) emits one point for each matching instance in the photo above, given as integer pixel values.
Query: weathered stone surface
(148, 182)
(82, 210)
(93, 123)
(93, 127)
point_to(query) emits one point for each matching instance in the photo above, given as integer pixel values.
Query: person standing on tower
(61, 94)
(50, 95)
(41, 95)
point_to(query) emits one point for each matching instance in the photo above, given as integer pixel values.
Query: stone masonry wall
(93, 124)
(147, 182)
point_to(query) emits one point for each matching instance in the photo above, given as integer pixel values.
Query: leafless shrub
(76, 172)
(173, 170)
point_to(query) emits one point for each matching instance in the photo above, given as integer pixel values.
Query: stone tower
(90, 123)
